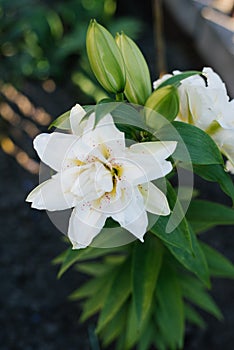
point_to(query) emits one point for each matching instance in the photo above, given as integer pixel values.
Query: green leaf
(93, 268)
(202, 149)
(170, 308)
(146, 263)
(62, 122)
(72, 256)
(97, 301)
(174, 230)
(219, 266)
(216, 173)
(176, 79)
(102, 109)
(133, 331)
(126, 114)
(193, 316)
(193, 291)
(88, 289)
(147, 337)
(195, 262)
(115, 327)
(117, 295)
(208, 214)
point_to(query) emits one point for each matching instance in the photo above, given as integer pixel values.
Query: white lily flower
(99, 177)
(207, 106)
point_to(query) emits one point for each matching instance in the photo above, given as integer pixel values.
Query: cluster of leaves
(143, 290)
(145, 293)
(47, 39)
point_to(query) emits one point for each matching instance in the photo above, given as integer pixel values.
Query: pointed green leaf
(216, 173)
(170, 308)
(194, 291)
(115, 327)
(195, 262)
(176, 79)
(102, 109)
(219, 266)
(97, 301)
(72, 256)
(147, 337)
(133, 330)
(193, 316)
(202, 149)
(180, 236)
(62, 122)
(87, 289)
(117, 295)
(146, 263)
(93, 268)
(209, 214)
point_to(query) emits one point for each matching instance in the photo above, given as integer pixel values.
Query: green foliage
(202, 149)
(136, 301)
(219, 266)
(170, 308)
(176, 79)
(145, 263)
(216, 173)
(204, 215)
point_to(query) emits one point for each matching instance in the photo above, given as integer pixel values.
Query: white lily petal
(116, 200)
(230, 166)
(139, 168)
(134, 218)
(92, 182)
(76, 115)
(53, 148)
(53, 194)
(158, 149)
(106, 137)
(85, 223)
(155, 200)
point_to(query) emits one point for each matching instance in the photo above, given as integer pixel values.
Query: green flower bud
(105, 58)
(138, 83)
(164, 101)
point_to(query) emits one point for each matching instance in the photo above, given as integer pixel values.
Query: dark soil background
(34, 311)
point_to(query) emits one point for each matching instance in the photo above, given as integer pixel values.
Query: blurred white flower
(205, 103)
(99, 177)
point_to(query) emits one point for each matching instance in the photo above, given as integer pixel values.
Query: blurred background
(43, 72)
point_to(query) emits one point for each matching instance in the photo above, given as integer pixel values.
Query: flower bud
(164, 101)
(138, 83)
(105, 58)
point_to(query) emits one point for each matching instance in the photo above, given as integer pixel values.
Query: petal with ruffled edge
(133, 217)
(92, 182)
(158, 149)
(78, 124)
(53, 148)
(84, 225)
(154, 199)
(145, 162)
(106, 138)
(54, 194)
